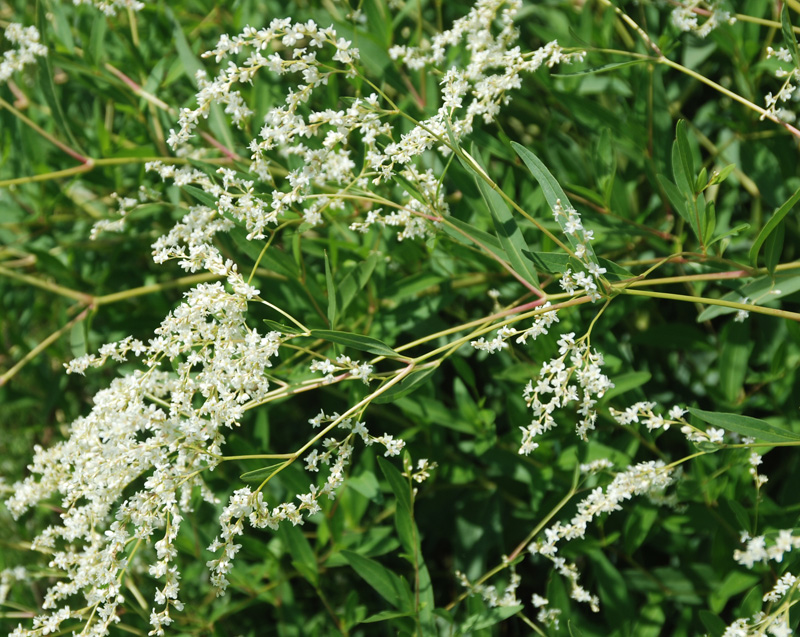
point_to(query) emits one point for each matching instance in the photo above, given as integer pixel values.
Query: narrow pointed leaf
(508, 232)
(771, 225)
(388, 585)
(331, 293)
(746, 426)
(356, 341)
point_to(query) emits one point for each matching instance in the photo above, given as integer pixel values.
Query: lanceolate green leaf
(331, 293)
(388, 585)
(765, 288)
(682, 162)
(356, 341)
(772, 224)
(605, 68)
(747, 426)
(259, 475)
(553, 193)
(414, 381)
(301, 552)
(508, 232)
(788, 35)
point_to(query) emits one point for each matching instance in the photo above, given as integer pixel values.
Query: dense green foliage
(657, 141)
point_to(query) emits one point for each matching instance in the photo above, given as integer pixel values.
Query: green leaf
(773, 247)
(201, 195)
(627, 382)
(191, 64)
(386, 614)
(746, 426)
(388, 585)
(356, 341)
(398, 483)
(573, 631)
(736, 347)
(403, 515)
(259, 475)
(730, 233)
(487, 618)
(718, 177)
(300, 550)
(411, 383)
(764, 288)
(95, 51)
(553, 193)
(735, 582)
(605, 68)
(679, 202)
(714, 625)
(280, 327)
(682, 161)
(788, 35)
(47, 83)
(355, 281)
(331, 293)
(772, 225)
(508, 232)
(78, 336)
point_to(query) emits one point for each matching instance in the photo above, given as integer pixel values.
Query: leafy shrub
(459, 320)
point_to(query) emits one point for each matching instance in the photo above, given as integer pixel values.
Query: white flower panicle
(700, 17)
(776, 103)
(110, 7)
(24, 52)
(490, 594)
(163, 426)
(546, 616)
(540, 326)
(757, 550)
(581, 239)
(644, 413)
(324, 141)
(574, 376)
(644, 478)
(344, 365)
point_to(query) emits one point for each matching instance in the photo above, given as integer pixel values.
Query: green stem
(41, 347)
(96, 163)
(85, 299)
(154, 287)
(69, 151)
(793, 316)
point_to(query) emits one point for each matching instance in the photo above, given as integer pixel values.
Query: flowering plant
(403, 358)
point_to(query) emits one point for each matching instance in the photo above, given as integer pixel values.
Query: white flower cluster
(344, 366)
(685, 16)
(546, 616)
(324, 140)
(480, 86)
(760, 625)
(574, 376)
(540, 326)
(27, 47)
(124, 206)
(490, 594)
(580, 239)
(755, 459)
(416, 217)
(245, 504)
(758, 551)
(639, 479)
(643, 478)
(643, 412)
(165, 425)
(776, 623)
(776, 110)
(422, 472)
(110, 7)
